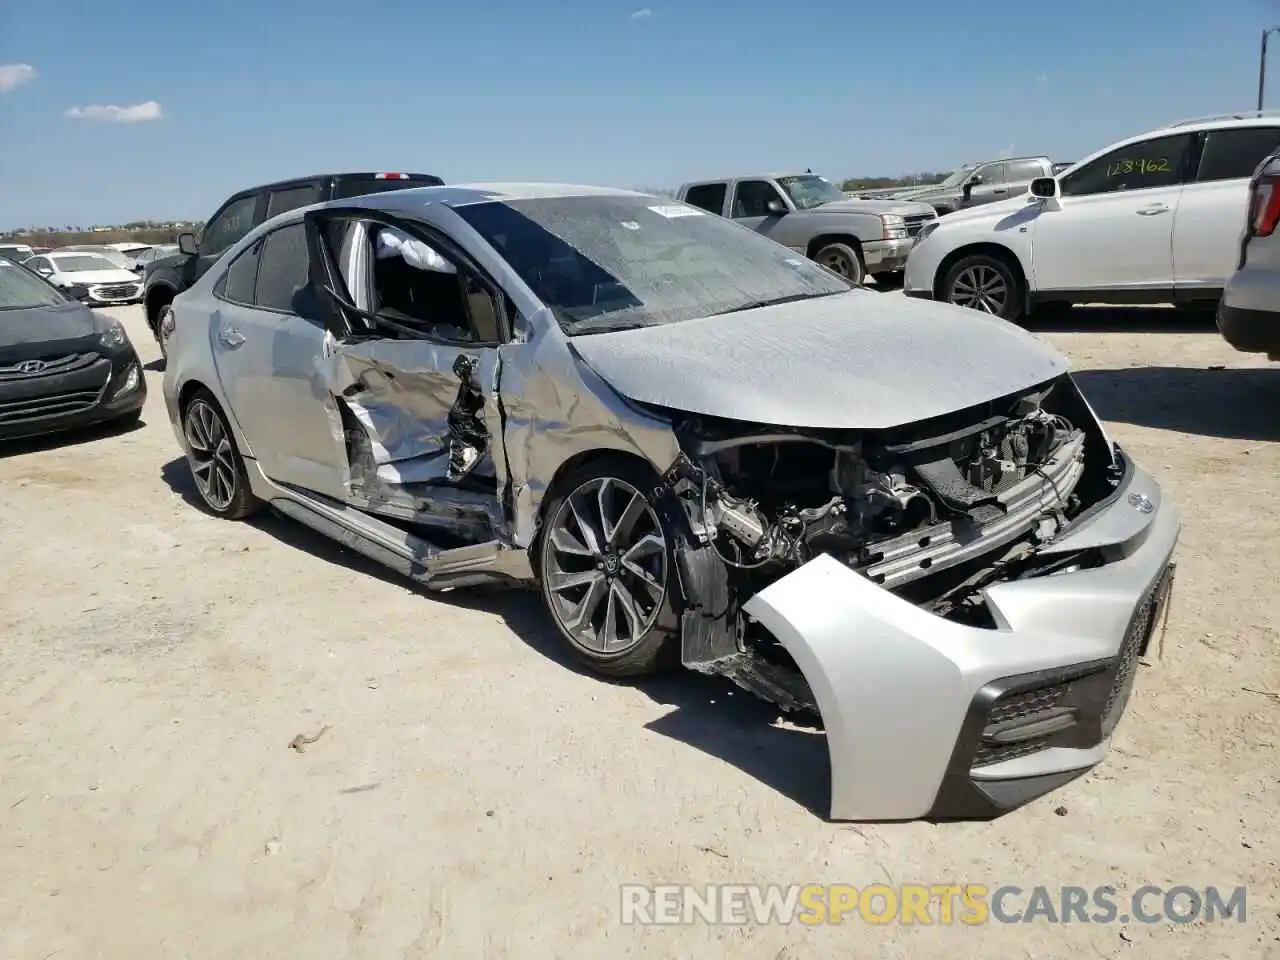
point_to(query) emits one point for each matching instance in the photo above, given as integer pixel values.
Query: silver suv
(1249, 315)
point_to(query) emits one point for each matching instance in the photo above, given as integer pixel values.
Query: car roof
(465, 194)
(55, 254)
(1264, 118)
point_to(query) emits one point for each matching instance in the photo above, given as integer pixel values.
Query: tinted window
(1022, 170)
(1149, 163)
(361, 186)
(752, 198)
(282, 201)
(228, 226)
(708, 196)
(242, 275)
(282, 268)
(1235, 154)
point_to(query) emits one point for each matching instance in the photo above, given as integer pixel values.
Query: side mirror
(77, 291)
(775, 208)
(1045, 188)
(44, 271)
(187, 244)
(974, 181)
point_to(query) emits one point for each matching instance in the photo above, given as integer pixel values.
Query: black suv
(165, 279)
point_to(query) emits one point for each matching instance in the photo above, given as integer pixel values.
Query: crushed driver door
(411, 360)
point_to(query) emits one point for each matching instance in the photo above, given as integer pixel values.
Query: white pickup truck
(812, 216)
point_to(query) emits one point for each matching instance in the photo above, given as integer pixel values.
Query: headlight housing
(895, 226)
(928, 228)
(113, 337)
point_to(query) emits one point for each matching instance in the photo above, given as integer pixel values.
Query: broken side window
(416, 286)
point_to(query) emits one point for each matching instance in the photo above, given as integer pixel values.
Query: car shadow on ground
(1236, 403)
(1107, 319)
(154, 366)
(68, 438)
(710, 714)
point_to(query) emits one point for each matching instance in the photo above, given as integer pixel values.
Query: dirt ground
(475, 796)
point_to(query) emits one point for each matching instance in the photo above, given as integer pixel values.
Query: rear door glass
(282, 269)
(282, 201)
(1234, 154)
(241, 276)
(348, 187)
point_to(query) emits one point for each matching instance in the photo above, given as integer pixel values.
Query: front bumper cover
(886, 256)
(914, 706)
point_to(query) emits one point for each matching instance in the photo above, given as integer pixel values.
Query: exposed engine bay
(933, 512)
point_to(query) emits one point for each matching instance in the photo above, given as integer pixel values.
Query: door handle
(1000, 190)
(1152, 211)
(230, 337)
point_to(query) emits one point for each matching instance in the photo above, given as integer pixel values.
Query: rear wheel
(216, 464)
(843, 259)
(986, 283)
(606, 570)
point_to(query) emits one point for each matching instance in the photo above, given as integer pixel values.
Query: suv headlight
(895, 226)
(113, 337)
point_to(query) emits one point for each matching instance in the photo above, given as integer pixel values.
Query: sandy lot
(475, 796)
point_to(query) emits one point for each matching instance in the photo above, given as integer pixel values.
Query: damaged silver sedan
(703, 449)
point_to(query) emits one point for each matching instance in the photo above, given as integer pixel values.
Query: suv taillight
(1264, 200)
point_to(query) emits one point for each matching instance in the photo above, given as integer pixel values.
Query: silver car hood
(853, 361)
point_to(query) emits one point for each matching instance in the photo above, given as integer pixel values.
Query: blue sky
(641, 94)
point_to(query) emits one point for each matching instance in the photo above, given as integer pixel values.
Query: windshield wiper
(774, 301)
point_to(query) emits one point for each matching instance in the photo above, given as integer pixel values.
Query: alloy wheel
(606, 566)
(981, 287)
(212, 456)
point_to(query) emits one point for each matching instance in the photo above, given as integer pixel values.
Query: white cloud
(110, 113)
(641, 14)
(14, 75)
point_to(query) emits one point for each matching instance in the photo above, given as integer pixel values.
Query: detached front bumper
(926, 717)
(886, 256)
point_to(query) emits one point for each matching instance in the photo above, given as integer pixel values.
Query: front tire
(216, 465)
(606, 570)
(842, 259)
(986, 283)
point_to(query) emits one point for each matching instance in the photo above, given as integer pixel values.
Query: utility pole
(1262, 64)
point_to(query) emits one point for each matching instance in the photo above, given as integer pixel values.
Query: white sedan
(104, 281)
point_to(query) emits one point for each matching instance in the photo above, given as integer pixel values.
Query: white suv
(1249, 316)
(1152, 219)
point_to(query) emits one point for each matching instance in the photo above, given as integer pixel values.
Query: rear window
(347, 187)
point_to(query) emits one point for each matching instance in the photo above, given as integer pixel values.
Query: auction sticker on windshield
(672, 210)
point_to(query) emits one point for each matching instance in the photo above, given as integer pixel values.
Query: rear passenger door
(1212, 212)
(269, 345)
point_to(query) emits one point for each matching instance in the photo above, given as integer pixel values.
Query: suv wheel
(986, 283)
